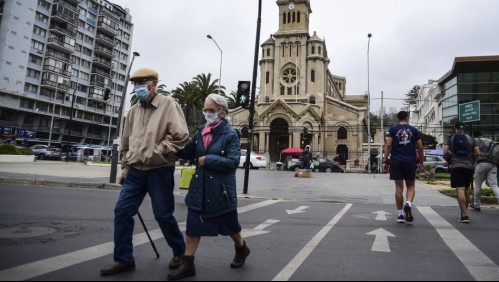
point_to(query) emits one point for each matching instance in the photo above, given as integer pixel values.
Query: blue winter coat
(212, 191)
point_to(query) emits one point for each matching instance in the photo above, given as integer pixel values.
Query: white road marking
(381, 240)
(298, 260)
(297, 210)
(259, 230)
(478, 264)
(44, 266)
(381, 215)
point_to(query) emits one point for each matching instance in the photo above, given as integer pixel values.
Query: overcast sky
(412, 41)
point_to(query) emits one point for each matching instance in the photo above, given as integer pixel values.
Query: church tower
(300, 102)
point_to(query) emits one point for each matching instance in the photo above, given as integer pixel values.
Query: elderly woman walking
(212, 198)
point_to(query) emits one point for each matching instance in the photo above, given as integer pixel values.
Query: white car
(256, 161)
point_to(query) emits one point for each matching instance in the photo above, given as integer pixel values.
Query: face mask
(211, 118)
(142, 92)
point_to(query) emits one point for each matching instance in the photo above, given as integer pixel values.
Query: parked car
(320, 164)
(441, 165)
(256, 161)
(43, 152)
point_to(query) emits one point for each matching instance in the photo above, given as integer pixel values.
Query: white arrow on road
(259, 229)
(381, 241)
(381, 215)
(298, 210)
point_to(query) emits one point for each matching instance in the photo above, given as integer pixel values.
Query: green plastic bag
(186, 176)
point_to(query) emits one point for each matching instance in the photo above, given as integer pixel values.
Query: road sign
(469, 112)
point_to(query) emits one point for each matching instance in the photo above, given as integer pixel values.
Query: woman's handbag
(186, 176)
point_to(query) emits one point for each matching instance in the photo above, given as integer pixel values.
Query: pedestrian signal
(243, 93)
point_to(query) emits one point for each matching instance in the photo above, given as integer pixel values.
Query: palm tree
(187, 95)
(231, 99)
(206, 87)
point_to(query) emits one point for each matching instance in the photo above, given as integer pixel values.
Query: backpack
(492, 154)
(460, 145)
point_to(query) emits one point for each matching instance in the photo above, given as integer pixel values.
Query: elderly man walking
(155, 130)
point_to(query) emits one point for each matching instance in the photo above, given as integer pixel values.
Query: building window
(312, 100)
(320, 50)
(289, 75)
(312, 75)
(298, 16)
(342, 133)
(282, 90)
(268, 52)
(284, 18)
(290, 91)
(267, 77)
(313, 50)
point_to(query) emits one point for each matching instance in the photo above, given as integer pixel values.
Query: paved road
(290, 240)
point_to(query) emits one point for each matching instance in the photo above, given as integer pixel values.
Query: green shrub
(7, 149)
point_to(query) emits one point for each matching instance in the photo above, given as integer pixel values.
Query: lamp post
(221, 55)
(115, 157)
(53, 109)
(368, 111)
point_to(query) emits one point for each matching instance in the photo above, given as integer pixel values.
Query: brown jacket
(146, 126)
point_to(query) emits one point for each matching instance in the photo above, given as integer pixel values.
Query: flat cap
(144, 73)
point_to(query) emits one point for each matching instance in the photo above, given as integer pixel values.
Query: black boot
(241, 254)
(186, 269)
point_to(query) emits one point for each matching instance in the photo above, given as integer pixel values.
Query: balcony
(58, 15)
(57, 29)
(54, 85)
(59, 45)
(105, 40)
(108, 14)
(57, 70)
(74, 2)
(107, 26)
(102, 62)
(103, 51)
(57, 55)
(101, 72)
(70, 5)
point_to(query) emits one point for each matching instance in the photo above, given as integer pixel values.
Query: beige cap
(144, 73)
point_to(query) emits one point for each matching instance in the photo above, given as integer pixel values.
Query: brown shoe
(175, 262)
(241, 254)
(118, 267)
(186, 269)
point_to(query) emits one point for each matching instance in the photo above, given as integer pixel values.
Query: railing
(104, 62)
(56, 70)
(62, 30)
(58, 56)
(104, 50)
(109, 40)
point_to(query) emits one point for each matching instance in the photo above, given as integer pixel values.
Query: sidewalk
(326, 187)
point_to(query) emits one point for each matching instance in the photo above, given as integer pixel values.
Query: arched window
(294, 17)
(298, 16)
(267, 77)
(320, 50)
(268, 52)
(313, 50)
(284, 18)
(342, 133)
(289, 17)
(244, 132)
(312, 100)
(282, 90)
(312, 75)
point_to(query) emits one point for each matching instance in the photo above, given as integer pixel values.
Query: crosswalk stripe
(44, 266)
(298, 260)
(478, 264)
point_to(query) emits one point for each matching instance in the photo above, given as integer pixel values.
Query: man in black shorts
(401, 143)
(462, 149)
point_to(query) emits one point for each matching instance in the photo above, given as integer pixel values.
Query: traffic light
(107, 94)
(243, 93)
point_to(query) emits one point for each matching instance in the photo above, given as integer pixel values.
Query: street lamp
(368, 110)
(221, 55)
(115, 157)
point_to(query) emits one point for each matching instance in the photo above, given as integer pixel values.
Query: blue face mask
(142, 92)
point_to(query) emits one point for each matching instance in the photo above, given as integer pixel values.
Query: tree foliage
(412, 96)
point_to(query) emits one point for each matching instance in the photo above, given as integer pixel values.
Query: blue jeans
(159, 183)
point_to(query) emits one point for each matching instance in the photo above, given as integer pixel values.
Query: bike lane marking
(298, 260)
(44, 266)
(481, 267)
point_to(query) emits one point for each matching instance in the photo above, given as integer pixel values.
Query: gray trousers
(485, 171)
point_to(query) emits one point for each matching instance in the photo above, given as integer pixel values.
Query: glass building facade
(473, 79)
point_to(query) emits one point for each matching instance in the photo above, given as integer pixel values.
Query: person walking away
(212, 197)
(484, 170)
(462, 150)
(306, 157)
(401, 143)
(155, 130)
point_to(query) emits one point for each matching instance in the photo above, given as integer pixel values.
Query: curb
(59, 183)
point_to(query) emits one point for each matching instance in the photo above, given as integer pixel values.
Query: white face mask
(211, 118)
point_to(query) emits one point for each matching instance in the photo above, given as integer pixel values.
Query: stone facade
(297, 90)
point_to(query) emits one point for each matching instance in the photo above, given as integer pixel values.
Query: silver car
(441, 165)
(43, 152)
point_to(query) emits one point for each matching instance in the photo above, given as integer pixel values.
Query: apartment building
(427, 115)
(59, 58)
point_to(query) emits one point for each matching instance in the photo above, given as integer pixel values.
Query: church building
(300, 102)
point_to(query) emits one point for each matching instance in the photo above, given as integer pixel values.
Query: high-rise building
(58, 59)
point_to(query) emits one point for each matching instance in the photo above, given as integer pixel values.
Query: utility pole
(382, 112)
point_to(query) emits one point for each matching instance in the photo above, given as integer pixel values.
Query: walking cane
(147, 232)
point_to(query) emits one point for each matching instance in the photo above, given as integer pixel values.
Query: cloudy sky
(412, 40)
